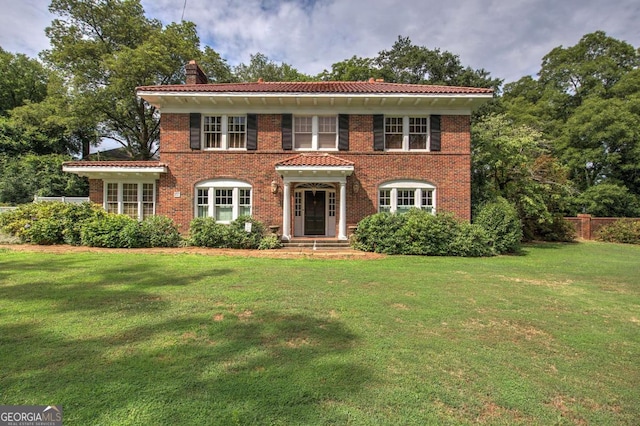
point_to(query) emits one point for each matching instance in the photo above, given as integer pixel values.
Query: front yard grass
(548, 337)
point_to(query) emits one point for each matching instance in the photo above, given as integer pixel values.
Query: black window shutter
(252, 132)
(343, 132)
(287, 140)
(435, 133)
(194, 130)
(378, 132)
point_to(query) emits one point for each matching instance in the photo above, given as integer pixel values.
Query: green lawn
(548, 337)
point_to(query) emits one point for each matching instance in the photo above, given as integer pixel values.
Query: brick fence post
(585, 220)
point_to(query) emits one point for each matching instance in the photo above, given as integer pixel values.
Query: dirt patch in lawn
(277, 253)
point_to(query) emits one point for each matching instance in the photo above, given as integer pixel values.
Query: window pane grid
(418, 128)
(385, 201)
(236, 131)
(426, 203)
(203, 202)
(303, 136)
(406, 197)
(393, 133)
(298, 204)
(212, 132)
(147, 193)
(244, 202)
(332, 204)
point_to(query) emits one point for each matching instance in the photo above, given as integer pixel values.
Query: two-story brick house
(310, 158)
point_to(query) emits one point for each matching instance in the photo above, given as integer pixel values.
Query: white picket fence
(76, 200)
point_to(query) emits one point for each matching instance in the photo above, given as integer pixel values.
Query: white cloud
(506, 37)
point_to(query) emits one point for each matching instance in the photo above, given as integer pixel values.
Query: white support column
(342, 222)
(286, 212)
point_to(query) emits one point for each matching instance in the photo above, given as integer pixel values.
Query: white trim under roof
(116, 172)
(317, 173)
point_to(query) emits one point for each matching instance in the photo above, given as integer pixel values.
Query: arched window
(223, 199)
(399, 196)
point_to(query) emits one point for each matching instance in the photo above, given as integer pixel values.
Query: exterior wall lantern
(356, 187)
(274, 187)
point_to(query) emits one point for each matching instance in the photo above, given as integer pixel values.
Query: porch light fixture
(356, 187)
(274, 187)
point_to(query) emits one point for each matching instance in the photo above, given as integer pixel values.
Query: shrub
(270, 242)
(111, 231)
(378, 233)
(49, 222)
(471, 241)
(557, 229)
(240, 238)
(500, 220)
(420, 233)
(159, 231)
(205, 232)
(621, 231)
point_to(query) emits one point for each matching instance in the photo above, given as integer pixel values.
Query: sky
(508, 38)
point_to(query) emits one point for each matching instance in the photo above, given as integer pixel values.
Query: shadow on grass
(258, 368)
(121, 286)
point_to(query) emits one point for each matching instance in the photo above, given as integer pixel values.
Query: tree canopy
(564, 141)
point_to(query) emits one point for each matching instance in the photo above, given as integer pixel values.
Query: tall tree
(408, 63)
(260, 66)
(591, 67)
(23, 80)
(107, 48)
(514, 162)
(353, 69)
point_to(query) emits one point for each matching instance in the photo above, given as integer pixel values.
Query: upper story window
(224, 131)
(401, 196)
(406, 133)
(315, 133)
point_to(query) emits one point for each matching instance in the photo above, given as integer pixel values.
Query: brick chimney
(195, 74)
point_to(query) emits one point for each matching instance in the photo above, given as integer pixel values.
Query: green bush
(471, 241)
(49, 222)
(159, 231)
(111, 231)
(557, 229)
(378, 233)
(420, 233)
(205, 232)
(270, 242)
(625, 231)
(500, 220)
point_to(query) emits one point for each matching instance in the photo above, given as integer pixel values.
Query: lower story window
(135, 199)
(224, 200)
(401, 196)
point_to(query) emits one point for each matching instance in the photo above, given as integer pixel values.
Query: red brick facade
(448, 170)
(306, 192)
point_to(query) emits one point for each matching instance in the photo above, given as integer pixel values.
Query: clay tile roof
(337, 87)
(125, 164)
(311, 160)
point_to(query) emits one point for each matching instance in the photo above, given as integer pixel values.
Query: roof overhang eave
(314, 171)
(107, 172)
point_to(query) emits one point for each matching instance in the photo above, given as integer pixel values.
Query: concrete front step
(318, 244)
